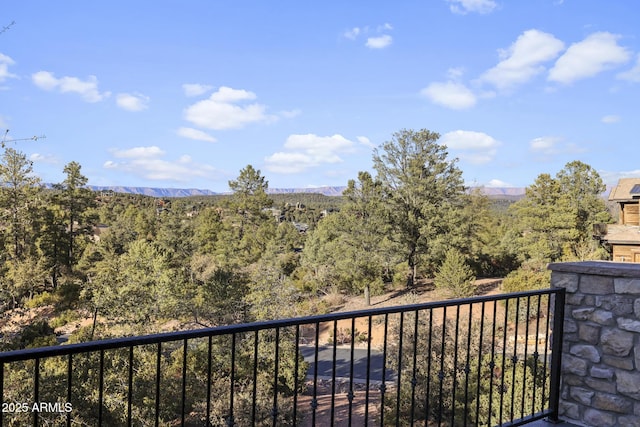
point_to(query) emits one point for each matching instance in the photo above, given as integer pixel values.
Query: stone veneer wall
(600, 383)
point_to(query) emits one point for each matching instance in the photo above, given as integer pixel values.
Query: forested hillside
(135, 264)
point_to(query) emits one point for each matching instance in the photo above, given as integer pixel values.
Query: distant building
(624, 238)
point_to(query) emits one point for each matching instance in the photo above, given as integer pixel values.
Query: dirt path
(423, 292)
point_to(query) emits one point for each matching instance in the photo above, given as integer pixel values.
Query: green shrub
(527, 278)
(455, 276)
(42, 300)
(65, 317)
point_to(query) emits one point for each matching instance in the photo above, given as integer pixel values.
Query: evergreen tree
(556, 216)
(455, 276)
(74, 199)
(19, 204)
(423, 190)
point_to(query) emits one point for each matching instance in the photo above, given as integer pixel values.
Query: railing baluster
(383, 386)
(333, 372)
(514, 360)
(526, 350)
(467, 366)
(546, 350)
(69, 385)
(492, 363)
(232, 380)
(1, 392)
(455, 367)
(314, 401)
(536, 356)
(158, 376)
(414, 380)
(36, 389)
(480, 355)
(556, 355)
(399, 373)
(274, 412)
(101, 388)
(441, 374)
(255, 378)
(209, 368)
(504, 357)
(184, 381)
(429, 354)
(368, 379)
(295, 377)
(351, 395)
(129, 387)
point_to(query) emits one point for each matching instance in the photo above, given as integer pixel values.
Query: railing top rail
(125, 342)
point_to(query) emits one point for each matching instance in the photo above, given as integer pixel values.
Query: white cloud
(545, 144)
(475, 147)
(496, 183)
(195, 89)
(290, 114)
(379, 42)
(450, 94)
(455, 73)
(44, 80)
(478, 6)
(5, 62)
(632, 75)
(365, 141)
(307, 151)
(610, 119)
(87, 89)
(611, 178)
(222, 110)
(132, 102)
(196, 134)
(139, 152)
(596, 53)
(43, 158)
(282, 162)
(352, 33)
(523, 59)
(147, 162)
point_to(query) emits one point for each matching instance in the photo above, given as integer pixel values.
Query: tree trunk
(367, 295)
(95, 319)
(412, 269)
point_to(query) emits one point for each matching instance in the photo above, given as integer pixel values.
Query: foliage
(19, 207)
(353, 244)
(528, 277)
(556, 217)
(455, 276)
(473, 384)
(38, 333)
(422, 192)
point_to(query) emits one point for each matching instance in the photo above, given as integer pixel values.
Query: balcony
(571, 352)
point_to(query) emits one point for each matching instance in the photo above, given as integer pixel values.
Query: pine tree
(423, 190)
(455, 276)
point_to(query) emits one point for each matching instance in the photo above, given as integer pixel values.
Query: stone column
(600, 383)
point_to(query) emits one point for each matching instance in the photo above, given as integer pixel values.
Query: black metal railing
(487, 360)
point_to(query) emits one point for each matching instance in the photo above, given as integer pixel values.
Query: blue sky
(185, 94)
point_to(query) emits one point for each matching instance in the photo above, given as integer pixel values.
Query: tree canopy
(423, 189)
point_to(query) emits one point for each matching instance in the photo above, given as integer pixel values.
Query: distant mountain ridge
(326, 190)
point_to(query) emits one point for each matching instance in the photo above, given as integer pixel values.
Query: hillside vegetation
(134, 264)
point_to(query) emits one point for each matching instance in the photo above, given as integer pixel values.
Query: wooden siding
(626, 253)
(630, 214)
